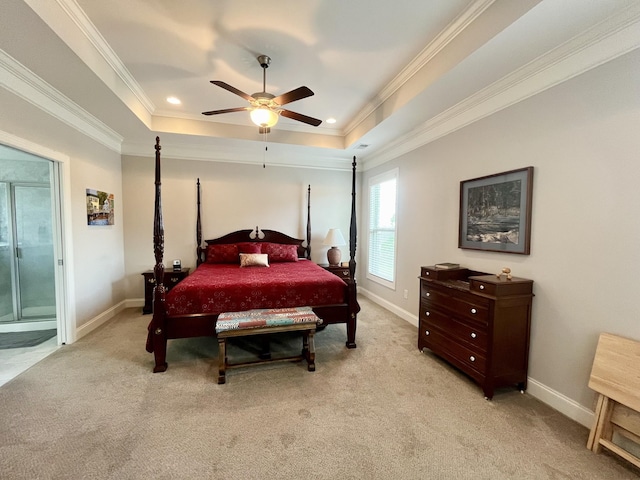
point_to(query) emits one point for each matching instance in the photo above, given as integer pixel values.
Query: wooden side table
(171, 279)
(341, 270)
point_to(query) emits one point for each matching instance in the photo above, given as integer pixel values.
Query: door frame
(62, 231)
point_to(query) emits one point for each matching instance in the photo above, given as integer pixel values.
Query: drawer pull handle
(481, 287)
(474, 311)
(151, 280)
(427, 273)
(427, 313)
(344, 273)
(472, 358)
(428, 294)
(473, 335)
(426, 332)
(174, 279)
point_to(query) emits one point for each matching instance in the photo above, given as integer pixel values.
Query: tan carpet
(94, 410)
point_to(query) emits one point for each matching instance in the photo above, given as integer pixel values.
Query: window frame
(392, 174)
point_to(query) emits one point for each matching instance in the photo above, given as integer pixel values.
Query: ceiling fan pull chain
(264, 158)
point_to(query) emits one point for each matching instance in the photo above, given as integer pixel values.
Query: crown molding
(25, 84)
(88, 29)
(252, 153)
(457, 26)
(606, 41)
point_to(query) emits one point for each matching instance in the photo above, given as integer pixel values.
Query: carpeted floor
(25, 339)
(94, 410)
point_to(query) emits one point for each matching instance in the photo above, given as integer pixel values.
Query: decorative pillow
(254, 260)
(223, 253)
(279, 252)
(249, 247)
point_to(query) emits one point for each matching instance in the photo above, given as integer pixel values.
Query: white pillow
(254, 260)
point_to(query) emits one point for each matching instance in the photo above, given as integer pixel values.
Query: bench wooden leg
(222, 360)
(310, 350)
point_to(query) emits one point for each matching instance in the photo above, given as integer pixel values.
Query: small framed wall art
(99, 207)
(495, 212)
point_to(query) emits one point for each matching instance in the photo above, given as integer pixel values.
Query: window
(382, 229)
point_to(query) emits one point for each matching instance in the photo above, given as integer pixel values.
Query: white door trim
(63, 241)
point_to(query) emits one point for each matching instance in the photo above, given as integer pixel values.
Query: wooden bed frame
(164, 327)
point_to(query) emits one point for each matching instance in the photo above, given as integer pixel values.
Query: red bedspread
(217, 288)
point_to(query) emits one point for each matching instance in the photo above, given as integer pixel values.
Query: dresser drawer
(492, 285)
(341, 270)
(474, 337)
(170, 279)
(478, 311)
(465, 356)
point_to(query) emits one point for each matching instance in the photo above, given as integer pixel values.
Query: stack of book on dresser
(447, 265)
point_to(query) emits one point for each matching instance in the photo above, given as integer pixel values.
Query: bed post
(353, 234)
(157, 339)
(199, 248)
(309, 223)
(353, 288)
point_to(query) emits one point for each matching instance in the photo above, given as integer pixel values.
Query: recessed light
(174, 100)
(331, 120)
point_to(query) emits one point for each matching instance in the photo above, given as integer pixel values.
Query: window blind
(382, 228)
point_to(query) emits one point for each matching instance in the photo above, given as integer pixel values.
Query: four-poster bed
(221, 283)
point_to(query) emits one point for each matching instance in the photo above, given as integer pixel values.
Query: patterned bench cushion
(265, 317)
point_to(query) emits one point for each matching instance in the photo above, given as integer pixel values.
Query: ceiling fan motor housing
(264, 61)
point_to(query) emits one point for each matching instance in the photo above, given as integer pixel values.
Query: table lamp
(334, 238)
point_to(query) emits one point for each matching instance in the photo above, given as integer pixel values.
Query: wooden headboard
(259, 236)
(256, 235)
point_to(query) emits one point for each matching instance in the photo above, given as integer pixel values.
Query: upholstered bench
(266, 321)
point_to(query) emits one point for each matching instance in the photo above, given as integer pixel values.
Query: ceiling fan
(264, 107)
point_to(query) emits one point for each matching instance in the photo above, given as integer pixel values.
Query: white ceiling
(395, 74)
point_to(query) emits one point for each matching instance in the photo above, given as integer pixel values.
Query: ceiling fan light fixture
(264, 117)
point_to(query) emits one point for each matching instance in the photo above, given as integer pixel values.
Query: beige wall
(96, 268)
(582, 139)
(234, 197)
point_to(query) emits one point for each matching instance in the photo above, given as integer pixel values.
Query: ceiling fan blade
(226, 110)
(293, 96)
(231, 89)
(301, 118)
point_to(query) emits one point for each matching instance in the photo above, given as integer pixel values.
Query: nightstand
(171, 279)
(341, 270)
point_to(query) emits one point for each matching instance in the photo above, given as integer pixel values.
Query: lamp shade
(334, 238)
(264, 117)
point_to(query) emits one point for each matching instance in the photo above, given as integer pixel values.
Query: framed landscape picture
(495, 212)
(99, 207)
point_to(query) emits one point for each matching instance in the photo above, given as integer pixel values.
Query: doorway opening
(29, 242)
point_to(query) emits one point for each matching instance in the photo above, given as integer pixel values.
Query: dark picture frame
(495, 212)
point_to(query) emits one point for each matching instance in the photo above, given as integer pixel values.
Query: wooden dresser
(341, 270)
(171, 279)
(477, 322)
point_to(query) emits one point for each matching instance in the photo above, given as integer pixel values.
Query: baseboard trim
(407, 316)
(99, 320)
(551, 397)
(134, 302)
(560, 402)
